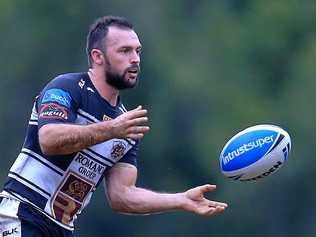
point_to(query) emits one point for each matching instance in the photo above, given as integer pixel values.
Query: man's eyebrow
(129, 47)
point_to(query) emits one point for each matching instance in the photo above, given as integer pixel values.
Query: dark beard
(118, 81)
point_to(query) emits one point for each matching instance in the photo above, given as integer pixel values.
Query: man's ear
(97, 56)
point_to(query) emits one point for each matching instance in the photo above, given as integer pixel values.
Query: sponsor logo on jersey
(90, 89)
(76, 188)
(106, 118)
(10, 232)
(118, 150)
(53, 110)
(57, 95)
(81, 83)
(88, 167)
(70, 197)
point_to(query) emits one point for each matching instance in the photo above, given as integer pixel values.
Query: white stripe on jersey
(105, 148)
(9, 207)
(28, 185)
(18, 198)
(42, 159)
(98, 157)
(89, 117)
(34, 114)
(10, 225)
(33, 123)
(25, 166)
(124, 108)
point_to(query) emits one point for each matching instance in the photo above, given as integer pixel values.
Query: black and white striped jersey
(61, 186)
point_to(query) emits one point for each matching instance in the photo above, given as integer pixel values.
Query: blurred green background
(209, 69)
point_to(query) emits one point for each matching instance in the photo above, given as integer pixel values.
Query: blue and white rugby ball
(255, 152)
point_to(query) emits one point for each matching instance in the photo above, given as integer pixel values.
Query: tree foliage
(209, 69)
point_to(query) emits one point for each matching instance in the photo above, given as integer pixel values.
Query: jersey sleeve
(131, 156)
(58, 102)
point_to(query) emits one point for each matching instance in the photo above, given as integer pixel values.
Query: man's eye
(125, 50)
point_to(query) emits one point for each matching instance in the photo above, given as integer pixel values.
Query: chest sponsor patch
(84, 173)
(76, 187)
(58, 96)
(69, 199)
(87, 167)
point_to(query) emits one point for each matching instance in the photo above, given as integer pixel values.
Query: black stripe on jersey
(13, 186)
(130, 141)
(98, 161)
(29, 182)
(47, 165)
(100, 156)
(33, 120)
(31, 142)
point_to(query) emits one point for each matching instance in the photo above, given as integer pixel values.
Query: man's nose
(135, 59)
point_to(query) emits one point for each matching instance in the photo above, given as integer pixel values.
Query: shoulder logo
(53, 111)
(57, 95)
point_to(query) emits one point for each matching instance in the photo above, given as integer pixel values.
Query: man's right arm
(59, 139)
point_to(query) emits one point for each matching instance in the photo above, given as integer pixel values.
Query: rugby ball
(255, 152)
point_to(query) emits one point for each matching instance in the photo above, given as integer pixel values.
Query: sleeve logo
(57, 95)
(52, 110)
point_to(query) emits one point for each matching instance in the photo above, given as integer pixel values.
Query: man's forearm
(56, 139)
(60, 139)
(142, 201)
(125, 197)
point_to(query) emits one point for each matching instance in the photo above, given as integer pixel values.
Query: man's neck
(107, 92)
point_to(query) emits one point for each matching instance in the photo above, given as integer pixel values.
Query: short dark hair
(99, 29)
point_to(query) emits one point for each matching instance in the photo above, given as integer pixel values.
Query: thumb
(139, 107)
(207, 188)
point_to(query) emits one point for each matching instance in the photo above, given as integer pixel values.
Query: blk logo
(10, 232)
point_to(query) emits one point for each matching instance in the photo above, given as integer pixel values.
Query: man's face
(122, 57)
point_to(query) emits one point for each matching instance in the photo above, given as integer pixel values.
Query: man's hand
(130, 124)
(60, 139)
(125, 197)
(197, 203)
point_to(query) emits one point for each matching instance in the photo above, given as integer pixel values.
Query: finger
(217, 204)
(219, 210)
(138, 129)
(213, 211)
(138, 121)
(207, 188)
(137, 136)
(135, 114)
(137, 108)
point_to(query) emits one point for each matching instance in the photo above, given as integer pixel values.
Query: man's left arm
(125, 197)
